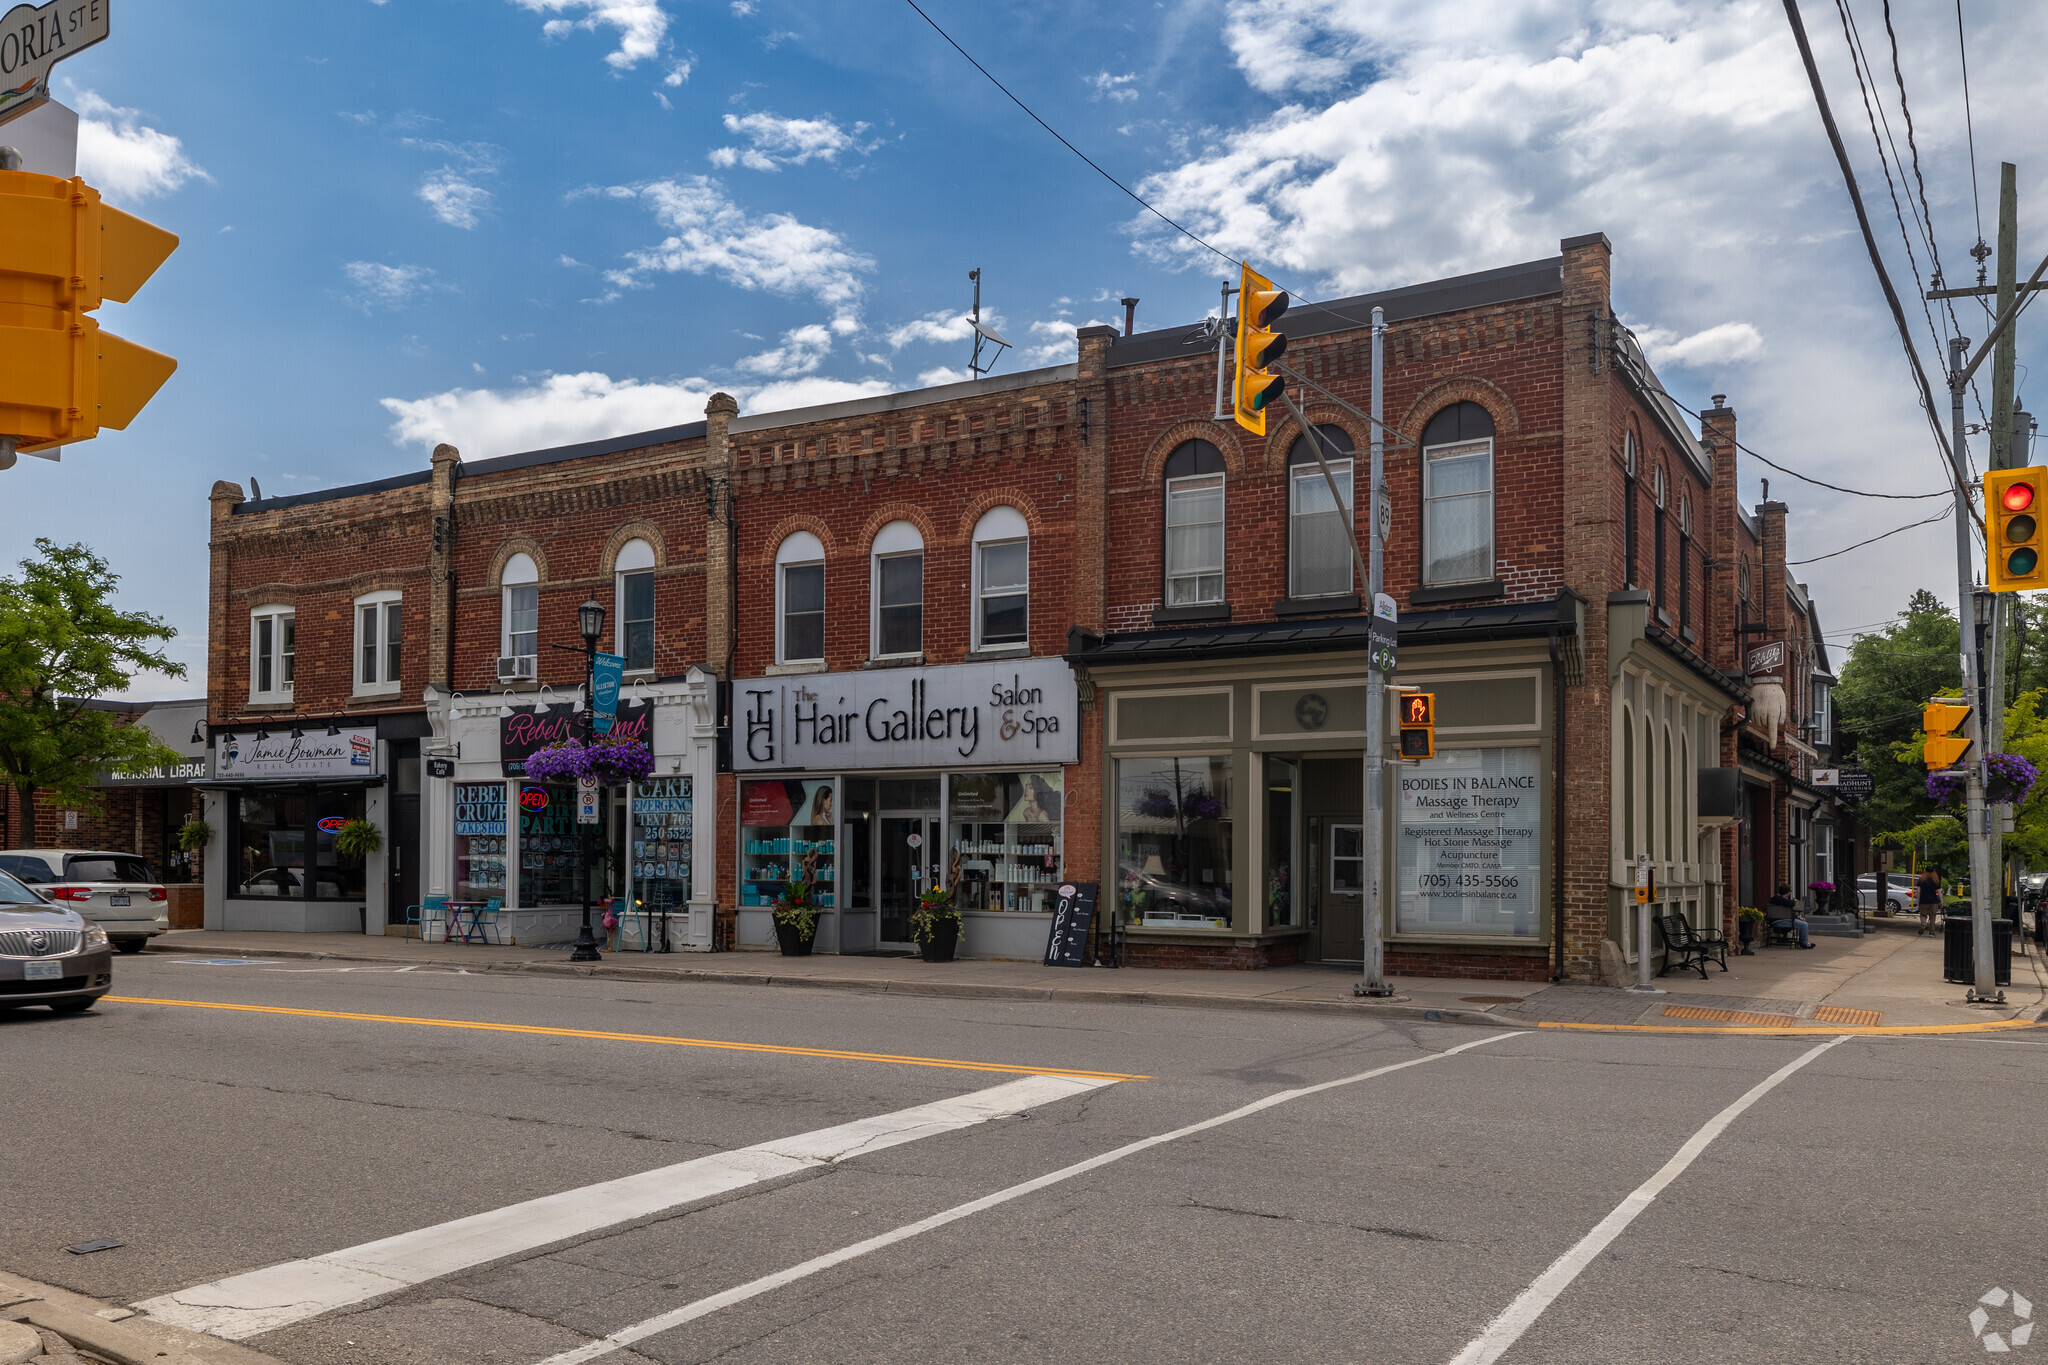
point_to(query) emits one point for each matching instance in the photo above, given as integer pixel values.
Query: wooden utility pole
(2000, 441)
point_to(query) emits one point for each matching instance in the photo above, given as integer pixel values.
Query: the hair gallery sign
(1023, 712)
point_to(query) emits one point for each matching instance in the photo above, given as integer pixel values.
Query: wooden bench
(1685, 946)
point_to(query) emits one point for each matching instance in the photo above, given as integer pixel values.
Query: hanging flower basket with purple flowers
(1195, 804)
(613, 762)
(2007, 778)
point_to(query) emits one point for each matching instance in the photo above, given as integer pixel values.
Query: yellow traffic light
(62, 253)
(1940, 720)
(2012, 529)
(1418, 725)
(1259, 306)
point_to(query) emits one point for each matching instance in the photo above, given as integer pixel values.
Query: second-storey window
(379, 632)
(800, 600)
(1457, 496)
(1319, 561)
(1002, 578)
(1194, 525)
(271, 649)
(519, 635)
(634, 607)
(898, 587)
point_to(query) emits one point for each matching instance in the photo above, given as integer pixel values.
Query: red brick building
(1052, 627)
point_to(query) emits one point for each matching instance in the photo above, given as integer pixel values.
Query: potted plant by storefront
(194, 835)
(358, 839)
(1823, 896)
(796, 911)
(1749, 922)
(935, 924)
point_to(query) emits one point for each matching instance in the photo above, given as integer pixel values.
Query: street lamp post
(590, 620)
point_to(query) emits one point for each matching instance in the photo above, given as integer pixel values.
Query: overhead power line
(1938, 516)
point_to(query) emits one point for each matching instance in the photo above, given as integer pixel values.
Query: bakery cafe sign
(1026, 712)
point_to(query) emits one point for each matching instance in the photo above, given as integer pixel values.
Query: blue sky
(513, 223)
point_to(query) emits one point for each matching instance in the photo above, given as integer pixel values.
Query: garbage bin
(1958, 958)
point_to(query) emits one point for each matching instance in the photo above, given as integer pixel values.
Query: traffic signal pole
(2003, 456)
(1984, 987)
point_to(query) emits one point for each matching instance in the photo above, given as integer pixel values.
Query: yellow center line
(544, 1031)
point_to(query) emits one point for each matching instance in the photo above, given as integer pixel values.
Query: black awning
(1454, 625)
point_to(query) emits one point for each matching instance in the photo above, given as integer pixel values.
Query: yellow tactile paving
(1735, 1016)
(1837, 1014)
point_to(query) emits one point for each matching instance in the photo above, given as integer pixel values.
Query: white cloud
(125, 159)
(786, 141)
(742, 8)
(679, 72)
(943, 374)
(1117, 88)
(1725, 344)
(711, 234)
(941, 326)
(455, 199)
(803, 349)
(641, 25)
(1053, 343)
(386, 286)
(784, 395)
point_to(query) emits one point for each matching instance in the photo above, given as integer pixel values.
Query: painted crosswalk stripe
(263, 1300)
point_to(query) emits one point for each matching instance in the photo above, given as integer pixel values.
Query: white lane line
(640, 1331)
(1521, 1315)
(262, 1300)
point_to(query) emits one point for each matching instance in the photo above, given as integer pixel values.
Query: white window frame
(520, 575)
(635, 557)
(382, 610)
(799, 550)
(283, 662)
(1453, 449)
(1347, 467)
(1222, 485)
(1332, 858)
(1001, 526)
(897, 540)
(1821, 697)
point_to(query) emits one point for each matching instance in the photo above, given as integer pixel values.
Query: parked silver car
(117, 891)
(49, 954)
(1899, 894)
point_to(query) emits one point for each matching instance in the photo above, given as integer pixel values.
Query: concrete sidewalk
(1880, 980)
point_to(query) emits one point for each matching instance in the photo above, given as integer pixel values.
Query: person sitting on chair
(1783, 914)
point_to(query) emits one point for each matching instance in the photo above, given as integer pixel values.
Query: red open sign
(533, 798)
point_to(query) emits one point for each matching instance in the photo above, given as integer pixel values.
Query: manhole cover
(1491, 999)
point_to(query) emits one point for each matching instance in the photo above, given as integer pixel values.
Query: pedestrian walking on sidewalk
(1930, 902)
(1784, 914)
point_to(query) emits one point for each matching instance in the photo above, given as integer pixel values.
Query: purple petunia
(614, 762)
(2007, 778)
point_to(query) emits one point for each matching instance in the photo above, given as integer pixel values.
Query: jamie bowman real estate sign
(1024, 712)
(1469, 844)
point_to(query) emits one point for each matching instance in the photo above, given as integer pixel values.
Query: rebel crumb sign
(925, 717)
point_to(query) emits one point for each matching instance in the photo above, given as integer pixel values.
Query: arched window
(1659, 495)
(519, 619)
(1457, 496)
(1630, 468)
(1002, 579)
(897, 590)
(1194, 525)
(1319, 559)
(633, 577)
(1671, 785)
(1684, 561)
(1628, 787)
(1647, 751)
(800, 599)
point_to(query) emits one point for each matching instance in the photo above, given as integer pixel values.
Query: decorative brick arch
(607, 561)
(515, 545)
(1632, 425)
(988, 502)
(787, 527)
(1224, 438)
(899, 511)
(1280, 439)
(1507, 421)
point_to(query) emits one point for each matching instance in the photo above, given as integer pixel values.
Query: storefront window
(1006, 837)
(1468, 844)
(334, 876)
(480, 841)
(663, 817)
(550, 852)
(1173, 835)
(272, 844)
(783, 821)
(1280, 889)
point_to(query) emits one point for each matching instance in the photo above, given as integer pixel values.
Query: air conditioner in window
(513, 666)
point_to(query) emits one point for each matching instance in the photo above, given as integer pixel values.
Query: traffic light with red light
(1418, 724)
(1259, 306)
(2012, 529)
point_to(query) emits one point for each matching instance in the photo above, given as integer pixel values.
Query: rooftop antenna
(982, 335)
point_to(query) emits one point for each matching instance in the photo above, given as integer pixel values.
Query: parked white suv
(117, 891)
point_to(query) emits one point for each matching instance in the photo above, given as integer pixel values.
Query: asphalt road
(1856, 1209)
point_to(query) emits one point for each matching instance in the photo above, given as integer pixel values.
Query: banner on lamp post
(607, 671)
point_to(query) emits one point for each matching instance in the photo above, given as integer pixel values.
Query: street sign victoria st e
(35, 38)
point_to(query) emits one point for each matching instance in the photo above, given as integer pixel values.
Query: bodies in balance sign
(1468, 844)
(1025, 712)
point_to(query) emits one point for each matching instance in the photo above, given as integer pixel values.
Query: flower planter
(794, 943)
(939, 947)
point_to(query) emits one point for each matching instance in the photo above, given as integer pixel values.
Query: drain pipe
(1556, 811)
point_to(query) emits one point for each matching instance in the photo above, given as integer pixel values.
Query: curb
(927, 989)
(121, 1336)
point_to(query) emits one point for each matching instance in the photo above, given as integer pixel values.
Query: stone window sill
(1458, 592)
(786, 670)
(896, 661)
(1206, 611)
(1336, 604)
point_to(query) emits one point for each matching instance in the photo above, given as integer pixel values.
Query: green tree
(1888, 677)
(63, 644)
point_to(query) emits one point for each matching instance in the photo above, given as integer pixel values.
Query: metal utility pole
(1985, 986)
(2000, 439)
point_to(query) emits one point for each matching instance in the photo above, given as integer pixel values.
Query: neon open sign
(533, 798)
(332, 824)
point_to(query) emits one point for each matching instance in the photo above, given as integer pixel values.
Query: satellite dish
(255, 489)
